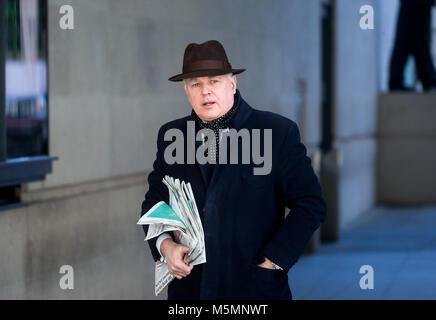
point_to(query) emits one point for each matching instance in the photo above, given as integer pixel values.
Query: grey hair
(229, 75)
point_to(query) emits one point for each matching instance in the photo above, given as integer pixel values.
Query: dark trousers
(413, 36)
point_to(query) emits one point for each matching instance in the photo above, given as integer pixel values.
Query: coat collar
(242, 113)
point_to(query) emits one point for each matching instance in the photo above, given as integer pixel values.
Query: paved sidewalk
(398, 242)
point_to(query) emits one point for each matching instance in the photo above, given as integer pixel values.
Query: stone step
(407, 114)
(406, 168)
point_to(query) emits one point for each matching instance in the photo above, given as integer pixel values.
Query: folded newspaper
(182, 218)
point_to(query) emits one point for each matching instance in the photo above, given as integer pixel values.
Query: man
(413, 37)
(250, 245)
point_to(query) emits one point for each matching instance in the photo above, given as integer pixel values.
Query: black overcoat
(243, 215)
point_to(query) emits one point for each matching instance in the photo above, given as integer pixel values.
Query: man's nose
(205, 89)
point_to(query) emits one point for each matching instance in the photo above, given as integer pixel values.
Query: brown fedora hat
(205, 59)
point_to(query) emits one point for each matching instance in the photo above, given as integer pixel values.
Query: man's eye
(195, 85)
(214, 81)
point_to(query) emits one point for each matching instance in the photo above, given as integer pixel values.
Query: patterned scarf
(217, 124)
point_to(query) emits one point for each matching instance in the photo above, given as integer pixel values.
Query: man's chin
(209, 116)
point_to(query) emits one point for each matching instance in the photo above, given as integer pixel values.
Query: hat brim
(205, 73)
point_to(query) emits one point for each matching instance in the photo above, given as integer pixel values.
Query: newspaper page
(180, 217)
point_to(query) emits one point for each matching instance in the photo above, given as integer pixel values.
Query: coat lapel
(202, 167)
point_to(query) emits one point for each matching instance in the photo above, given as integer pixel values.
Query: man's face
(211, 97)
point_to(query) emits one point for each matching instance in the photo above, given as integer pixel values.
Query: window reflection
(26, 78)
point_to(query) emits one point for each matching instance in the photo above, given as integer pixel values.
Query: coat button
(204, 209)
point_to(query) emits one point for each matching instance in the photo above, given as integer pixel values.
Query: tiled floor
(398, 242)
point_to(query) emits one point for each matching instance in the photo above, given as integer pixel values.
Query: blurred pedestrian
(413, 36)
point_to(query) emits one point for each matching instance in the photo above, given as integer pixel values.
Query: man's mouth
(208, 104)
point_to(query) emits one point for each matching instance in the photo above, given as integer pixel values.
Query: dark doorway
(330, 154)
(327, 76)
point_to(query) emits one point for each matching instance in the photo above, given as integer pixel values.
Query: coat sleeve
(157, 191)
(300, 190)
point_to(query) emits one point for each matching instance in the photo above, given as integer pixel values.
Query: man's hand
(174, 254)
(266, 264)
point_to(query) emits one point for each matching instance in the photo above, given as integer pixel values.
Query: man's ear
(234, 82)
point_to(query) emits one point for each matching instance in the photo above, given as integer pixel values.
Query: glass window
(26, 105)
